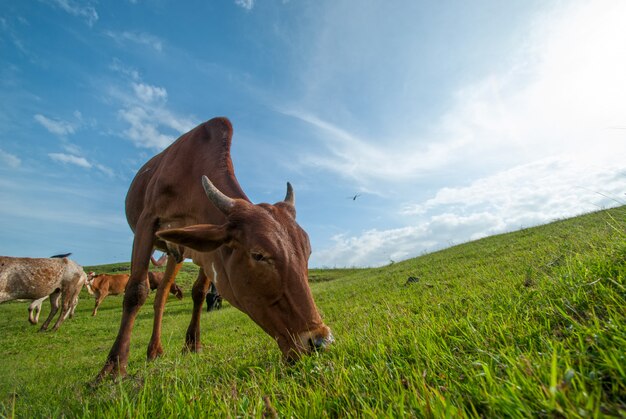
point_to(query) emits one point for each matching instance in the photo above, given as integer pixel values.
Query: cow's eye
(258, 256)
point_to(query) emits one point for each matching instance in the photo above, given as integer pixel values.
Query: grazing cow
(38, 278)
(155, 279)
(101, 285)
(213, 299)
(34, 309)
(256, 255)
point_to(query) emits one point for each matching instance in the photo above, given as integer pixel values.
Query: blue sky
(452, 120)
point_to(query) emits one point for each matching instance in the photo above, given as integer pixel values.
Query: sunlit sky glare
(451, 120)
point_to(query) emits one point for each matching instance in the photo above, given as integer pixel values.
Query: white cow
(39, 278)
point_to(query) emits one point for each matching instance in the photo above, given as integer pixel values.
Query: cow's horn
(290, 198)
(221, 201)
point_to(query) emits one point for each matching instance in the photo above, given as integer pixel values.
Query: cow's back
(112, 284)
(74, 273)
(168, 187)
(30, 278)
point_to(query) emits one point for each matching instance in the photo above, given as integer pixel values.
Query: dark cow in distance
(186, 201)
(40, 278)
(213, 299)
(102, 285)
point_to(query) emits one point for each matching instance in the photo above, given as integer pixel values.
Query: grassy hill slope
(531, 323)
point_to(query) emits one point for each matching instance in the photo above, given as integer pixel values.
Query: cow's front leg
(200, 288)
(171, 270)
(137, 291)
(100, 296)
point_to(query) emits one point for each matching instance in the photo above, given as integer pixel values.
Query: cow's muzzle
(316, 340)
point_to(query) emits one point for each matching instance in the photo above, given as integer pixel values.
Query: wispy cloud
(86, 12)
(106, 170)
(369, 159)
(70, 159)
(74, 156)
(119, 67)
(246, 4)
(56, 126)
(9, 159)
(140, 38)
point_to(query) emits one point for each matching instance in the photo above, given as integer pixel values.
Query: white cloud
(9, 159)
(70, 159)
(537, 192)
(144, 128)
(523, 196)
(57, 127)
(150, 123)
(86, 12)
(372, 248)
(140, 38)
(147, 93)
(246, 4)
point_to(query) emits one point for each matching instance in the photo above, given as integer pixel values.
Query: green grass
(526, 324)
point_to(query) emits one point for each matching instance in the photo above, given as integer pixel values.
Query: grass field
(531, 323)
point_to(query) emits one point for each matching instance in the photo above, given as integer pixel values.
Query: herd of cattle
(61, 280)
(186, 202)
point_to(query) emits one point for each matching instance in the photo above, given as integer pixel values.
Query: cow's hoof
(154, 352)
(193, 347)
(110, 369)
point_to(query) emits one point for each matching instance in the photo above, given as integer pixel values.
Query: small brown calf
(101, 285)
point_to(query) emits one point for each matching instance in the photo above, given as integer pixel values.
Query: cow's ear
(200, 237)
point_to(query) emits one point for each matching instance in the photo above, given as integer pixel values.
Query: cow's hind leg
(55, 297)
(100, 296)
(74, 304)
(135, 296)
(70, 295)
(200, 288)
(34, 309)
(171, 270)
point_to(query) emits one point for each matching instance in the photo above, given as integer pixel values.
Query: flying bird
(354, 197)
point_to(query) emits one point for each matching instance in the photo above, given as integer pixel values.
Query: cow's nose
(320, 342)
(318, 339)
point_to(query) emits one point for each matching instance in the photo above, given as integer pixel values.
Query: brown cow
(38, 278)
(256, 255)
(101, 285)
(155, 279)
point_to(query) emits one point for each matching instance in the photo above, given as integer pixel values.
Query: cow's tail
(61, 256)
(88, 286)
(161, 260)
